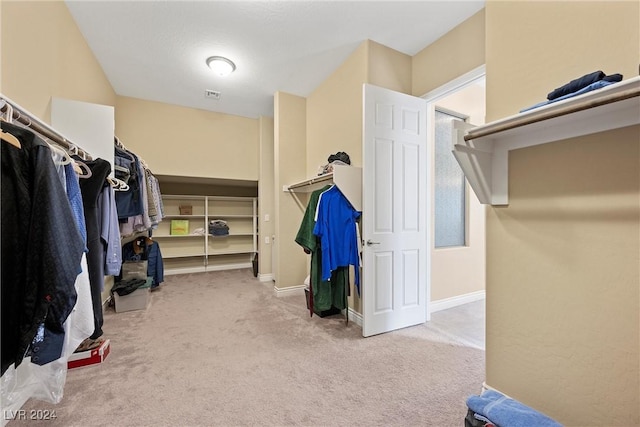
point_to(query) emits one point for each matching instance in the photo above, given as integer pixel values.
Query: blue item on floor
(506, 412)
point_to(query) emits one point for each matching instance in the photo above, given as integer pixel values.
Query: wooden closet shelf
(196, 252)
(348, 179)
(483, 151)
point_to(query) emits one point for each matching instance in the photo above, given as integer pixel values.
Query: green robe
(325, 293)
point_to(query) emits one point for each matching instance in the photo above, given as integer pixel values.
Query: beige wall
(334, 119)
(168, 185)
(334, 109)
(44, 55)
(531, 50)
(290, 111)
(454, 54)
(389, 68)
(182, 141)
(448, 279)
(266, 191)
(563, 265)
(334, 113)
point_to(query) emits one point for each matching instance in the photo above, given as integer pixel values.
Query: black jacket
(41, 246)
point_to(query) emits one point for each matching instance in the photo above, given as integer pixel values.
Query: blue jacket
(336, 228)
(147, 251)
(128, 203)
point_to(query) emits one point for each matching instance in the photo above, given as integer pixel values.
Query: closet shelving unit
(483, 152)
(200, 252)
(348, 179)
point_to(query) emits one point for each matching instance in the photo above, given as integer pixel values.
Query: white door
(395, 216)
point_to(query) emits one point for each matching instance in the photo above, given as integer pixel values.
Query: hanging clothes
(91, 189)
(129, 203)
(74, 196)
(79, 324)
(145, 249)
(154, 200)
(337, 229)
(139, 207)
(324, 294)
(110, 231)
(41, 248)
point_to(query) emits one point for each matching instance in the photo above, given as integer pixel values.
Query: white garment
(79, 324)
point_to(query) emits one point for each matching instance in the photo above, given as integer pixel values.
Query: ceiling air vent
(212, 94)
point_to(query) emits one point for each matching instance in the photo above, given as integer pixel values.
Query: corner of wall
(459, 51)
(54, 35)
(266, 188)
(290, 129)
(388, 68)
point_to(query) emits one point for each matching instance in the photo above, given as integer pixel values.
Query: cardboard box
(136, 300)
(186, 209)
(179, 227)
(89, 357)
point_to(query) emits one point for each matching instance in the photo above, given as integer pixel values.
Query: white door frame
(432, 99)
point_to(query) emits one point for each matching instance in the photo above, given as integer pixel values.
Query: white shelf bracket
(483, 151)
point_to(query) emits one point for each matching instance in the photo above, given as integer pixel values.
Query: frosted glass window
(449, 187)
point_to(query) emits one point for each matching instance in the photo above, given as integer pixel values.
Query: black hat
(340, 155)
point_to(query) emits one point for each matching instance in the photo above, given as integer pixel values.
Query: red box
(89, 357)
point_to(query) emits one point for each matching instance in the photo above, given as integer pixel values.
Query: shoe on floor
(89, 344)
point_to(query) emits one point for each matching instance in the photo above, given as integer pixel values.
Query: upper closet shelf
(348, 179)
(483, 151)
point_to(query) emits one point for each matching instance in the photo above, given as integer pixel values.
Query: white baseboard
(265, 277)
(446, 303)
(203, 269)
(354, 316)
(285, 292)
(174, 271)
(229, 266)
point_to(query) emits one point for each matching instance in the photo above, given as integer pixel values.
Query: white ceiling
(156, 50)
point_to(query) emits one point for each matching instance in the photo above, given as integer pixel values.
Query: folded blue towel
(506, 412)
(593, 86)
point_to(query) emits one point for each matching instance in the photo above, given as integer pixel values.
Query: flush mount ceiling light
(221, 65)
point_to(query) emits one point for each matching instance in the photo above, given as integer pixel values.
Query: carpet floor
(219, 349)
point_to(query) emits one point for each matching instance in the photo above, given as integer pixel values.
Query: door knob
(369, 243)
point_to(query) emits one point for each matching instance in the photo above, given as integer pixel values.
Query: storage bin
(136, 300)
(179, 227)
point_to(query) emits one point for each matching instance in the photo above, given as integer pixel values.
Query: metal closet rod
(21, 115)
